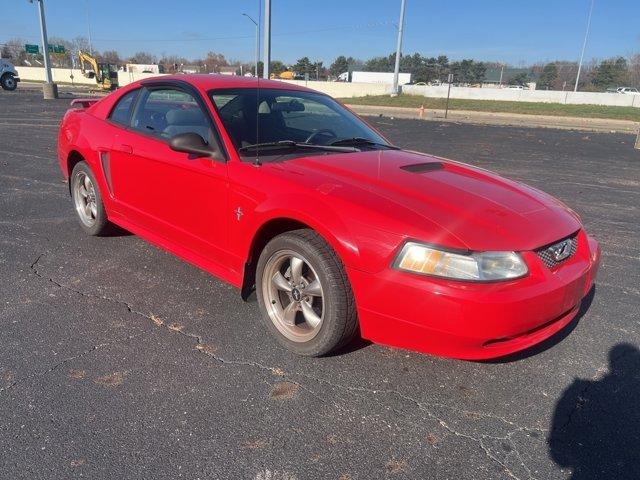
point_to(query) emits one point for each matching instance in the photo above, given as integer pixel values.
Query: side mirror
(192, 143)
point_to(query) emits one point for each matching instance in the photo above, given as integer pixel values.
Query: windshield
(267, 116)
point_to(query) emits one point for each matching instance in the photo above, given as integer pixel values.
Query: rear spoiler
(84, 102)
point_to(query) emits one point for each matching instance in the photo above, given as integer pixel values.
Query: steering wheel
(158, 117)
(322, 131)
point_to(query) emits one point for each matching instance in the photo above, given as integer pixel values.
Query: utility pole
(396, 71)
(267, 39)
(49, 89)
(584, 45)
(257, 42)
(501, 73)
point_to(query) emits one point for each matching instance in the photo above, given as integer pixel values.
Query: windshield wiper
(291, 145)
(356, 141)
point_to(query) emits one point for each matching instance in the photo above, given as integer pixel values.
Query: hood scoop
(423, 167)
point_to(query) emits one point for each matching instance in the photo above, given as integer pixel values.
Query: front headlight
(481, 266)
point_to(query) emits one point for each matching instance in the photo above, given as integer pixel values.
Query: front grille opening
(549, 254)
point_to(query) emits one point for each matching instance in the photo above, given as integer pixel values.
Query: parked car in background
(278, 188)
(9, 77)
(628, 90)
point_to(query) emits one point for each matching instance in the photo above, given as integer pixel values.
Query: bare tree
(214, 61)
(566, 77)
(634, 70)
(14, 49)
(111, 56)
(171, 63)
(142, 57)
(81, 43)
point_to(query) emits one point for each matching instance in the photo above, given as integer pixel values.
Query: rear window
(121, 113)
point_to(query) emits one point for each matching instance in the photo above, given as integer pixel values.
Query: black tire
(340, 320)
(8, 82)
(101, 225)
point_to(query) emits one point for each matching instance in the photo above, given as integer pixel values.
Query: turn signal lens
(484, 266)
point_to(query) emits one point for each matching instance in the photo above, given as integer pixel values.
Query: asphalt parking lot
(118, 360)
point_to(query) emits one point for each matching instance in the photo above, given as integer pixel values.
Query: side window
(121, 112)
(165, 112)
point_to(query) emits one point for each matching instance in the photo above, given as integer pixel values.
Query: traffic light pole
(49, 89)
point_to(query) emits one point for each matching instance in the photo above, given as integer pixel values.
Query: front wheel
(304, 294)
(8, 82)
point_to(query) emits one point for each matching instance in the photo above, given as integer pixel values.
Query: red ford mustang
(279, 188)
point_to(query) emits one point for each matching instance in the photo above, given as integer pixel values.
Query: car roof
(215, 81)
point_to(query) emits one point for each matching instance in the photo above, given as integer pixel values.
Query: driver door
(169, 194)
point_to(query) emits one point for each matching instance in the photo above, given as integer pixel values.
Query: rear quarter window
(121, 113)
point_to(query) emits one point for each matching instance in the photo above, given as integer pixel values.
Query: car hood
(424, 197)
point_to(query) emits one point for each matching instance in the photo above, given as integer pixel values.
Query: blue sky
(510, 31)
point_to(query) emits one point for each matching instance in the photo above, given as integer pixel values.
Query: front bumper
(474, 320)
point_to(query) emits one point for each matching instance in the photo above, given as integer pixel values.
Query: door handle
(124, 148)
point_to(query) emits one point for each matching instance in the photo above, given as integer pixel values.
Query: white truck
(9, 77)
(374, 77)
(143, 68)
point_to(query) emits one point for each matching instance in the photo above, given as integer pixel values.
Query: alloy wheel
(293, 295)
(84, 196)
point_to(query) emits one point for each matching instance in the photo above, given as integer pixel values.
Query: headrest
(192, 116)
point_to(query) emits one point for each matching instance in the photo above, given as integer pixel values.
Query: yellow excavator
(106, 75)
(288, 75)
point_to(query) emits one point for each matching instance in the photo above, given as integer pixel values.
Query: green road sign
(56, 48)
(32, 48)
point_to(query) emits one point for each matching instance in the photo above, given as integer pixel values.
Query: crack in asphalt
(427, 408)
(52, 368)
(29, 155)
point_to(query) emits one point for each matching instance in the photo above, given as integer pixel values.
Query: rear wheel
(87, 200)
(8, 82)
(304, 294)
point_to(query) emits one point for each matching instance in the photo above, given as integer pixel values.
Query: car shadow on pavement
(117, 231)
(553, 340)
(596, 423)
(354, 345)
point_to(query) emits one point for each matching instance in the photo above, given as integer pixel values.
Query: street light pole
(49, 89)
(257, 41)
(89, 30)
(396, 71)
(584, 45)
(267, 39)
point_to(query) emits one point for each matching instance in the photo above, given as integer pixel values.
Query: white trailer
(375, 77)
(143, 68)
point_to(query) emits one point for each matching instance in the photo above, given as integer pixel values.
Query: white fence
(513, 95)
(347, 90)
(344, 89)
(335, 89)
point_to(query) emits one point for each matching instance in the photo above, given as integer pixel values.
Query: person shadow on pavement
(596, 423)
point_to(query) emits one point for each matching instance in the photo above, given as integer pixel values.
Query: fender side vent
(423, 167)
